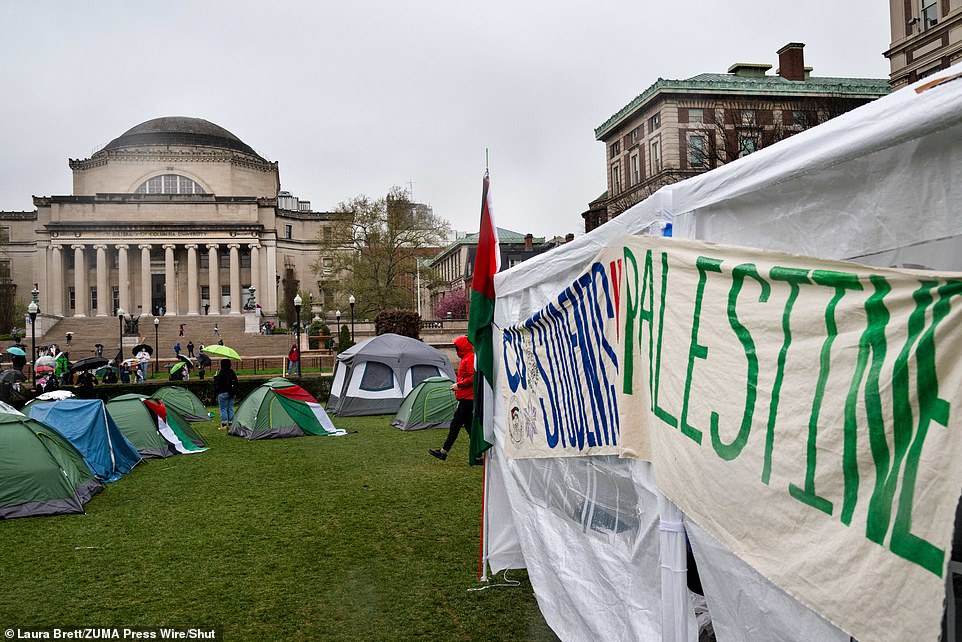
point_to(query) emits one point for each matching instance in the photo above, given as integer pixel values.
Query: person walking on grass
(464, 392)
(226, 387)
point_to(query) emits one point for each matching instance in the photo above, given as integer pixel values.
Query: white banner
(805, 413)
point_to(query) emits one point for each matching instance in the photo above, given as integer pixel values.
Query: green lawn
(362, 537)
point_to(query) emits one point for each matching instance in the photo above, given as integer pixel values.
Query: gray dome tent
(373, 377)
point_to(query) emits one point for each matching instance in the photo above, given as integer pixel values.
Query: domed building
(176, 216)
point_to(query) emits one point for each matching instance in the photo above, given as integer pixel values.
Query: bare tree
(373, 247)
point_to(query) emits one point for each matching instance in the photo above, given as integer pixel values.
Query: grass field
(362, 537)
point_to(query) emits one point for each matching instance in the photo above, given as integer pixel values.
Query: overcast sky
(354, 96)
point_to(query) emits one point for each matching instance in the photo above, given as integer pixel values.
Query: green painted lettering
(793, 277)
(696, 350)
(732, 450)
(840, 281)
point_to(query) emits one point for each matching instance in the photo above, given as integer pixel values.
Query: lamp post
(120, 319)
(297, 311)
(156, 343)
(337, 333)
(32, 310)
(351, 300)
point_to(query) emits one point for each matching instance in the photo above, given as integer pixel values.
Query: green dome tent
(40, 472)
(153, 429)
(430, 404)
(278, 408)
(183, 401)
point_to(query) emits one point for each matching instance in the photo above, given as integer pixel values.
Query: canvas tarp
(374, 376)
(41, 473)
(880, 185)
(431, 403)
(86, 424)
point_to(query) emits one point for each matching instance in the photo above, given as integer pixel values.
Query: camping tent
(373, 377)
(86, 424)
(880, 185)
(183, 401)
(156, 431)
(40, 472)
(430, 404)
(278, 408)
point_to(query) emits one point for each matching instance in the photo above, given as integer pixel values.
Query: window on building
(288, 231)
(748, 117)
(634, 135)
(800, 118)
(746, 145)
(4, 234)
(204, 294)
(169, 184)
(68, 259)
(930, 14)
(93, 298)
(5, 274)
(615, 149)
(616, 179)
(71, 298)
(656, 155)
(697, 148)
(696, 115)
(245, 258)
(635, 176)
(654, 122)
(327, 266)
(114, 300)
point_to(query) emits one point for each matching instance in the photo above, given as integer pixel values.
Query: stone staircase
(89, 331)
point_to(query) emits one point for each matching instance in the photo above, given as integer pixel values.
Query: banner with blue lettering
(806, 413)
(560, 376)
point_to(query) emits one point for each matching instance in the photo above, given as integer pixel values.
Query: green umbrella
(222, 351)
(100, 372)
(177, 366)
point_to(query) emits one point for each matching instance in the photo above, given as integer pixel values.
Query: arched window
(169, 184)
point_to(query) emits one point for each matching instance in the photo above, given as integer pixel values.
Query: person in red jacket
(464, 392)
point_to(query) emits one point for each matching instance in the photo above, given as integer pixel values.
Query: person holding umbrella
(226, 387)
(203, 362)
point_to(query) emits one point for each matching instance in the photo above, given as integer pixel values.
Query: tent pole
(674, 572)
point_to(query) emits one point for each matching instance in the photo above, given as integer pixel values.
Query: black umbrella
(142, 346)
(187, 361)
(88, 363)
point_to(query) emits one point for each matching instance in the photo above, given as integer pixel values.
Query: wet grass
(362, 537)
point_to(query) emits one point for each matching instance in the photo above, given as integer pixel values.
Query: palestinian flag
(487, 262)
(175, 430)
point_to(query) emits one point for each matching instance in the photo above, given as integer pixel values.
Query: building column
(256, 272)
(193, 292)
(145, 301)
(270, 280)
(56, 297)
(79, 281)
(102, 304)
(170, 288)
(236, 301)
(123, 279)
(213, 278)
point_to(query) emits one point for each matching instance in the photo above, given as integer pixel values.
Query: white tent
(881, 185)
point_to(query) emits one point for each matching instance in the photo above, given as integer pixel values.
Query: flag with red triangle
(487, 262)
